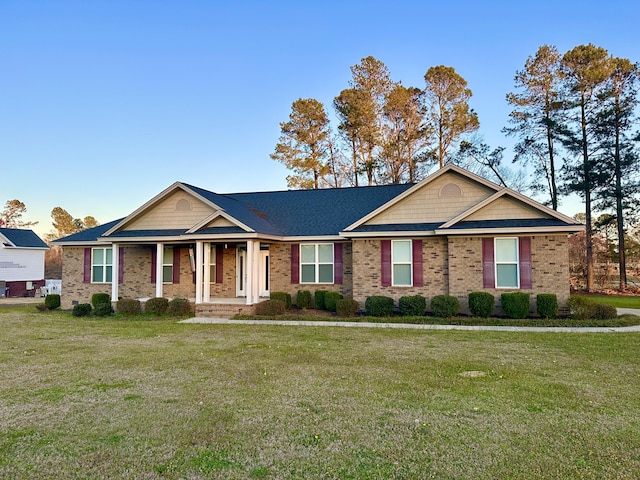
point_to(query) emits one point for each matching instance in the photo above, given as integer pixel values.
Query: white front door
(264, 273)
(241, 270)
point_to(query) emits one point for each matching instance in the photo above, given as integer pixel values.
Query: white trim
(159, 263)
(115, 273)
(317, 264)
(511, 230)
(206, 277)
(448, 168)
(399, 233)
(199, 272)
(410, 263)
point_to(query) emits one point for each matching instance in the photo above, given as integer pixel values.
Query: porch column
(199, 279)
(115, 273)
(253, 264)
(159, 263)
(207, 273)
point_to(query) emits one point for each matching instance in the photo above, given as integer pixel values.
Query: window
(212, 264)
(401, 262)
(101, 265)
(167, 265)
(506, 263)
(316, 263)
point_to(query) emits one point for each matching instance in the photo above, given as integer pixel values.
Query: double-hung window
(316, 263)
(507, 263)
(167, 265)
(401, 261)
(101, 264)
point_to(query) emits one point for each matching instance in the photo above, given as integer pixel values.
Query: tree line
(574, 117)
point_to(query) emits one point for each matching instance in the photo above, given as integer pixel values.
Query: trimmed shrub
(331, 299)
(180, 307)
(581, 308)
(516, 304)
(379, 306)
(303, 299)
(81, 310)
(52, 301)
(481, 304)
(605, 312)
(413, 305)
(128, 306)
(547, 305)
(346, 308)
(100, 298)
(445, 306)
(283, 297)
(103, 310)
(270, 308)
(156, 306)
(318, 298)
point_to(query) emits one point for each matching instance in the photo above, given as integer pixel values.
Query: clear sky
(104, 104)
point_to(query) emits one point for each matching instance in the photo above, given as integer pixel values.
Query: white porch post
(253, 277)
(115, 271)
(199, 272)
(159, 262)
(207, 272)
(249, 283)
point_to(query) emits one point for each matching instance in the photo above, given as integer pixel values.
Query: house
(21, 262)
(452, 233)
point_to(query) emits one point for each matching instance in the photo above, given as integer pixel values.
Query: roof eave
(510, 230)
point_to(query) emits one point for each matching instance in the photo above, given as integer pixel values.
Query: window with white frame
(316, 263)
(167, 265)
(212, 264)
(401, 262)
(101, 265)
(506, 263)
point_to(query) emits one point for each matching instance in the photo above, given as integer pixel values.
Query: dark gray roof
(509, 223)
(90, 234)
(399, 227)
(23, 238)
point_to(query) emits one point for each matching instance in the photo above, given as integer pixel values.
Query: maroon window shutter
(87, 266)
(417, 263)
(154, 259)
(337, 263)
(488, 268)
(120, 264)
(385, 262)
(526, 278)
(295, 263)
(176, 265)
(219, 256)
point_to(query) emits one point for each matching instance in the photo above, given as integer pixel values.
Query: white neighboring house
(21, 262)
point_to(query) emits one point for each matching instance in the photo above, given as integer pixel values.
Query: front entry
(242, 269)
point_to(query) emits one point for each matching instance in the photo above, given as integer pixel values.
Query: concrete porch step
(223, 310)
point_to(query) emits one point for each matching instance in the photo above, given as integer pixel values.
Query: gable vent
(450, 190)
(183, 205)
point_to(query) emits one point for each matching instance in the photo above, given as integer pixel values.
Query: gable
(220, 222)
(437, 201)
(178, 210)
(506, 208)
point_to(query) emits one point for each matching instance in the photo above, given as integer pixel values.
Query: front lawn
(113, 398)
(618, 301)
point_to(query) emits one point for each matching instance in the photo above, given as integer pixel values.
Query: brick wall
(454, 266)
(280, 258)
(366, 271)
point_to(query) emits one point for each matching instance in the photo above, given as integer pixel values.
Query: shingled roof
(22, 238)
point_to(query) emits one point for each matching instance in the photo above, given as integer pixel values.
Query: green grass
(618, 301)
(110, 398)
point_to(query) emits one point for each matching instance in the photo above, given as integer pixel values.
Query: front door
(241, 269)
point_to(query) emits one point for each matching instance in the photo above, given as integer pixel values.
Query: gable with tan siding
(506, 208)
(437, 201)
(178, 210)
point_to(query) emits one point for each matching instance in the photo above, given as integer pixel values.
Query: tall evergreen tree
(586, 69)
(303, 146)
(11, 216)
(447, 103)
(619, 158)
(537, 111)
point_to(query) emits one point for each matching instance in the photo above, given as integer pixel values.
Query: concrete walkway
(226, 321)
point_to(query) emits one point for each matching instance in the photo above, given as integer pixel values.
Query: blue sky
(103, 104)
